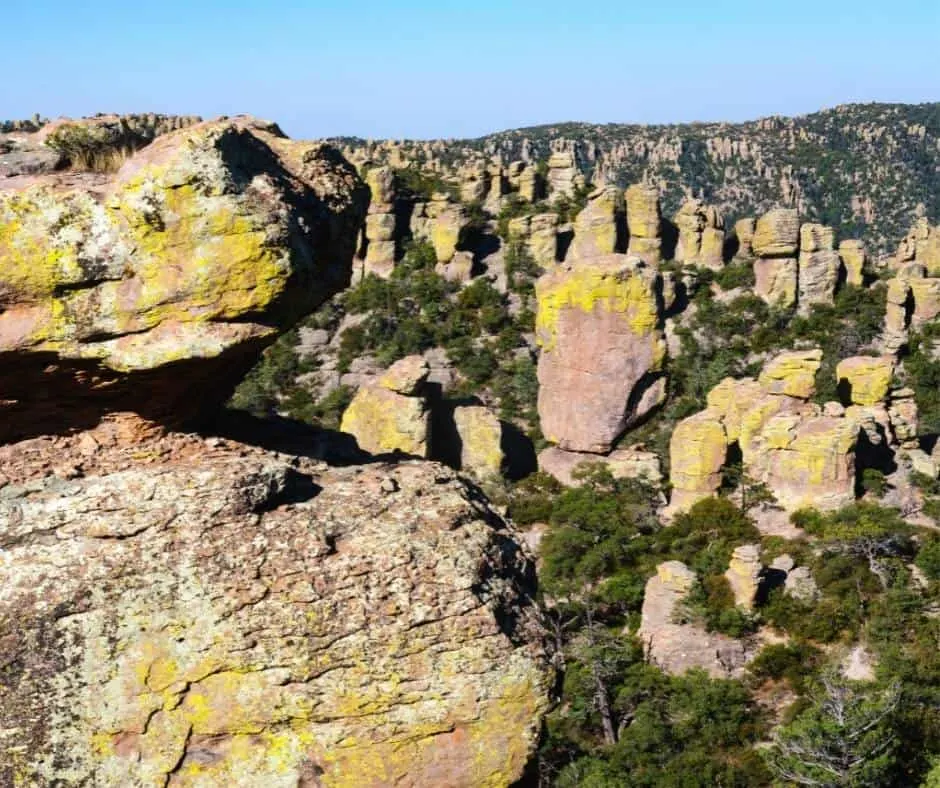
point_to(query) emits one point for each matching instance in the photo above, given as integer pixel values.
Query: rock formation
(855, 261)
(564, 176)
(701, 235)
(867, 378)
(539, 235)
(819, 265)
(677, 647)
(169, 276)
(776, 243)
(744, 230)
(392, 415)
(622, 463)
(644, 223)
(381, 223)
(441, 222)
(744, 575)
(804, 453)
(481, 441)
(600, 228)
(598, 325)
(921, 245)
(221, 615)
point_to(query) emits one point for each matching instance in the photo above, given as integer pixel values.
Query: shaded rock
(744, 230)
(322, 632)
(170, 276)
(622, 463)
(598, 325)
(459, 269)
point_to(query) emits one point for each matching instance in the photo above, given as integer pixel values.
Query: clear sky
(434, 68)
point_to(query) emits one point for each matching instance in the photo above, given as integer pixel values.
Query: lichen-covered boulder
(599, 328)
(644, 222)
(223, 616)
(777, 233)
(792, 373)
(481, 441)
(171, 275)
(538, 235)
(698, 450)
(868, 378)
(599, 227)
(392, 415)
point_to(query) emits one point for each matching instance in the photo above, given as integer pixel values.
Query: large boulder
(701, 235)
(777, 233)
(392, 415)
(170, 276)
(225, 616)
(481, 441)
(819, 266)
(921, 245)
(855, 261)
(698, 450)
(867, 378)
(599, 327)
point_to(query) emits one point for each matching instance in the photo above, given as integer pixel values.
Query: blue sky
(422, 68)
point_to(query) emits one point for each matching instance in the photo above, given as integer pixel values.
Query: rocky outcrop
(701, 235)
(644, 223)
(677, 647)
(776, 243)
(622, 464)
(867, 379)
(201, 612)
(598, 325)
(441, 222)
(539, 235)
(922, 246)
(169, 276)
(819, 266)
(564, 176)
(744, 230)
(804, 453)
(600, 228)
(744, 575)
(392, 415)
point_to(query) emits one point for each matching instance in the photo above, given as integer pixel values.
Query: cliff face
(867, 169)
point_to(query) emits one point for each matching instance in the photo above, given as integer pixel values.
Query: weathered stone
(644, 222)
(800, 584)
(676, 647)
(598, 325)
(481, 441)
(777, 233)
(170, 276)
(921, 245)
(390, 415)
(701, 235)
(868, 378)
(459, 269)
(564, 176)
(381, 183)
(792, 373)
(855, 259)
(744, 230)
(622, 463)
(819, 266)
(744, 574)
(697, 451)
(598, 228)
(225, 618)
(776, 281)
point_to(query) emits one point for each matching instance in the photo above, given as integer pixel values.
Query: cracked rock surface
(179, 611)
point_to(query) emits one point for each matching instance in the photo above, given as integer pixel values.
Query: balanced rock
(744, 230)
(644, 222)
(391, 415)
(777, 233)
(792, 373)
(481, 441)
(225, 617)
(170, 276)
(599, 228)
(868, 378)
(598, 325)
(701, 235)
(698, 450)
